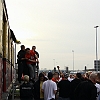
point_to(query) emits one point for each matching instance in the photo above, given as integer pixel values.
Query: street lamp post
(96, 49)
(96, 42)
(73, 59)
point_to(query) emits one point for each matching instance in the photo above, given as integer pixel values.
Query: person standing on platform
(36, 64)
(30, 56)
(21, 62)
(34, 49)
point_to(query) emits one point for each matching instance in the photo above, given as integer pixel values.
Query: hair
(33, 46)
(56, 73)
(50, 75)
(66, 75)
(26, 78)
(27, 49)
(22, 46)
(98, 75)
(79, 75)
(92, 76)
(41, 75)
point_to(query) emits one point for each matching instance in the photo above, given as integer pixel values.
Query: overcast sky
(57, 27)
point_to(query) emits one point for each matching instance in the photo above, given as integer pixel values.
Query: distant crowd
(61, 86)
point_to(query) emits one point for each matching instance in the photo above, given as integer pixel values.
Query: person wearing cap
(64, 88)
(49, 88)
(26, 89)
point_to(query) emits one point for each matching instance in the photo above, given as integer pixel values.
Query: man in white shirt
(98, 82)
(49, 88)
(98, 90)
(70, 78)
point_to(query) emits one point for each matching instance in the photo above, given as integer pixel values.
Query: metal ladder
(15, 91)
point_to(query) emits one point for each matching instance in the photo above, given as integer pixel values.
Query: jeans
(32, 69)
(37, 67)
(60, 98)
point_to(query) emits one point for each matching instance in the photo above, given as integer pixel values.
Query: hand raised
(58, 67)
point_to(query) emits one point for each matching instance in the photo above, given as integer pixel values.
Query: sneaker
(18, 86)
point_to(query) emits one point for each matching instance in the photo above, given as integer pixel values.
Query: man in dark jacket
(21, 62)
(26, 89)
(86, 90)
(74, 84)
(64, 88)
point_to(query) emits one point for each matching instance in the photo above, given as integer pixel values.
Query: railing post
(13, 90)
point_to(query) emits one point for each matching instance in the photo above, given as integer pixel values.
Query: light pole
(96, 42)
(73, 59)
(96, 49)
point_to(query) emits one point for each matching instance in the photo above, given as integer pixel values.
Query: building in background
(97, 65)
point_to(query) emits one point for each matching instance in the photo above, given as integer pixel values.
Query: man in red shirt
(56, 77)
(36, 65)
(31, 60)
(34, 50)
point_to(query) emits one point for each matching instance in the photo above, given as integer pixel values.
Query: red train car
(6, 50)
(0, 76)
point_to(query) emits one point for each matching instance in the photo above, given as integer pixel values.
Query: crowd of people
(62, 86)
(53, 85)
(27, 62)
